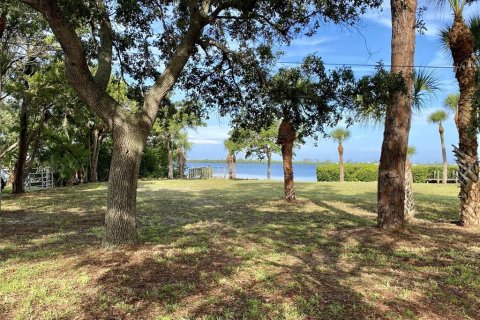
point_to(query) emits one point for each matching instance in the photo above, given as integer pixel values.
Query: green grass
(234, 250)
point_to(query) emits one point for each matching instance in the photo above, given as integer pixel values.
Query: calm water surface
(301, 172)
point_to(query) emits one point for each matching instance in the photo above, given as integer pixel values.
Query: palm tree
(409, 209)
(232, 148)
(339, 135)
(183, 145)
(391, 184)
(286, 139)
(464, 47)
(438, 117)
(425, 85)
(451, 104)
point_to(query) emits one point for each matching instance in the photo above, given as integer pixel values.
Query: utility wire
(371, 65)
(56, 48)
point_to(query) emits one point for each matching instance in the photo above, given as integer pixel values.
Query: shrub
(369, 172)
(328, 172)
(423, 172)
(353, 172)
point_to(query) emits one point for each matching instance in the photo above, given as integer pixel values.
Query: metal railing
(207, 172)
(41, 178)
(438, 177)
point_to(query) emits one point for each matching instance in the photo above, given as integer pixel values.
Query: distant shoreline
(258, 161)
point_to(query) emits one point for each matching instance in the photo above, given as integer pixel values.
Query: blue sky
(367, 44)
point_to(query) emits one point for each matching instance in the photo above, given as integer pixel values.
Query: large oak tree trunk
(120, 219)
(340, 162)
(286, 138)
(129, 129)
(19, 178)
(461, 46)
(444, 154)
(391, 175)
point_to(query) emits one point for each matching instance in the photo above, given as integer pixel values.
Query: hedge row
(369, 172)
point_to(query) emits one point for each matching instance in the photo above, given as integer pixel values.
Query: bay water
(301, 171)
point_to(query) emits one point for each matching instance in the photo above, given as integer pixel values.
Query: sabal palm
(340, 135)
(451, 104)
(425, 84)
(232, 148)
(409, 199)
(463, 42)
(438, 117)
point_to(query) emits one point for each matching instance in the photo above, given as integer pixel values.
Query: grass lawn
(233, 250)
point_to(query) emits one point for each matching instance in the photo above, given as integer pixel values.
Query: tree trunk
(234, 160)
(170, 161)
(340, 162)
(126, 126)
(391, 175)
(444, 154)
(269, 163)
(461, 46)
(286, 138)
(120, 219)
(96, 137)
(19, 178)
(230, 167)
(181, 161)
(34, 141)
(409, 200)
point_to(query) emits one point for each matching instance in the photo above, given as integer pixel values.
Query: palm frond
(451, 101)
(426, 86)
(444, 36)
(474, 25)
(438, 116)
(340, 134)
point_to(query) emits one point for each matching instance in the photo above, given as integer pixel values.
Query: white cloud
(311, 42)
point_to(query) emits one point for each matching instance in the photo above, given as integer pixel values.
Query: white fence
(41, 178)
(207, 172)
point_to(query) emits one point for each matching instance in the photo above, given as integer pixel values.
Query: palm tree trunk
(286, 138)
(269, 163)
(230, 168)
(234, 160)
(340, 161)
(120, 219)
(461, 46)
(181, 161)
(444, 154)
(391, 175)
(409, 200)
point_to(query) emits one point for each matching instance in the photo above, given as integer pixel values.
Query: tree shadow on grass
(238, 251)
(310, 260)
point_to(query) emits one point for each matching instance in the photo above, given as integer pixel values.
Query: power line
(370, 65)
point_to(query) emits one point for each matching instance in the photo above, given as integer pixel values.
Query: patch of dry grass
(233, 250)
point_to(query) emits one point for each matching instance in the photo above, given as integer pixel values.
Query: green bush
(364, 172)
(353, 172)
(423, 172)
(328, 172)
(369, 172)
